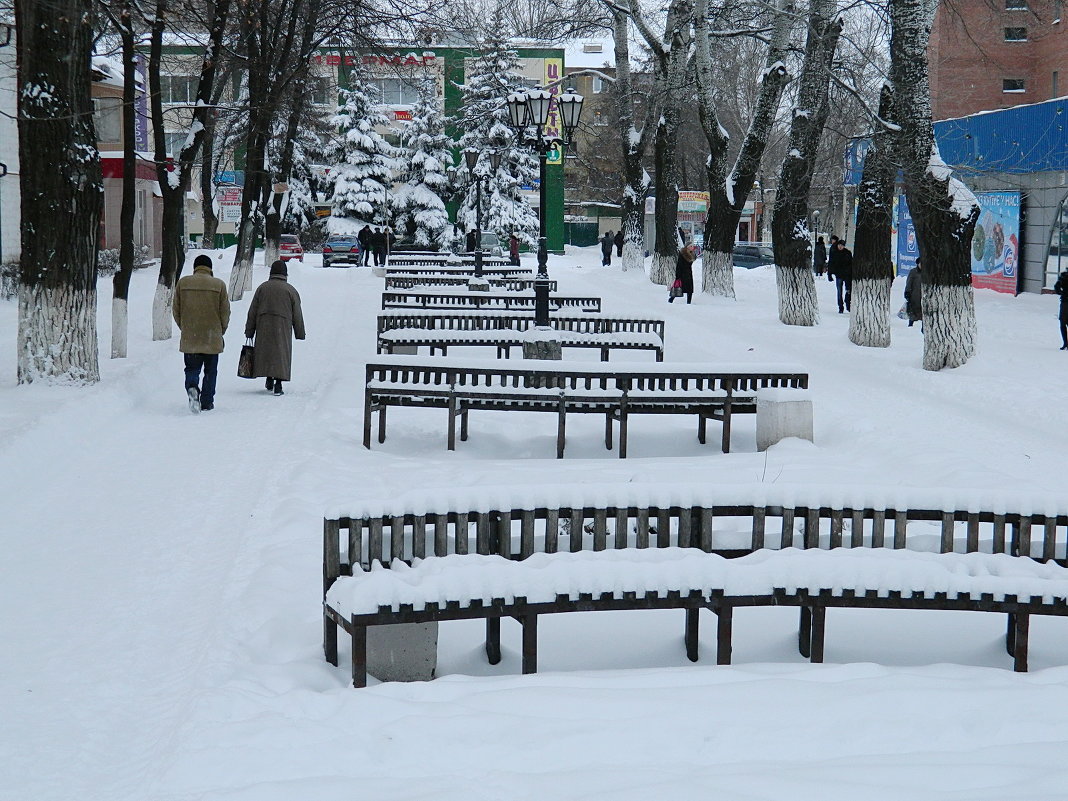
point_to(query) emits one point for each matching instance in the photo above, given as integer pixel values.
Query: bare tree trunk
(789, 225)
(873, 270)
(121, 281)
(207, 188)
(60, 166)
(944, 211)
(727, 194)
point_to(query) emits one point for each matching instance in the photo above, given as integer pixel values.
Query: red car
(290, 248)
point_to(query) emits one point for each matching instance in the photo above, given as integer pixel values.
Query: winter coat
(607, 242)
(364, 237)
(914, 294)
(378, 240)
(1061, 288)
(202, 311)
(619, 242)
(513, 247)
(684, 271)
(273, 319)
(842, 264)
(819, 257)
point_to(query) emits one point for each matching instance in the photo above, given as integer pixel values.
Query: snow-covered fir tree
(425, 155)
(366, 161)
(484, 119)
(311, 147)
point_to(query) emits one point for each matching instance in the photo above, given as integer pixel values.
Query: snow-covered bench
(492, 301)
(493, 587)
(504, 339)
(614, 390)
(409, 259)
(465, 269)
(431, 282)
(459, 320)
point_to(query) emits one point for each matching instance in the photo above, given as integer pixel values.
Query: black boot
(278, 387)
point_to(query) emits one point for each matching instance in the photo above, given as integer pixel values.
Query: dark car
(752, 254)
(289, 247)
(342, 250)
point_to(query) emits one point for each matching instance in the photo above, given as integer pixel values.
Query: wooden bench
(493, 301)
(459, 270)
(420, 282)
(470, 587)
(617, 391)
(429, 260)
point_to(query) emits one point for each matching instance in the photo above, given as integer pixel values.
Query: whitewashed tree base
(119, 329)
(782, 413)
(403, 652)
(717, 274)
(949, 329)
(869, 318)
(662, 270)
(162, 315)
(797, 296)
(57, 341)
(633, 258)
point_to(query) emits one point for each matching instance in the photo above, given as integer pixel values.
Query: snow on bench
(442, 298)
(491, 587)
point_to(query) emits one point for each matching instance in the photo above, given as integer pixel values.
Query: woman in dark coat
(684, 272)
(1061, 288)
(914, 294)
(274, 318)
(819, 257)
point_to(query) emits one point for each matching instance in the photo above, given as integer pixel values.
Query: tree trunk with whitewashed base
(61, 189)
(717, 271)
(873, 271)
(943, 210)
(789, 226)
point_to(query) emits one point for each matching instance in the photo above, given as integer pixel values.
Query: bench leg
(1010, 634)
(725, 619)
(463, 425)
(381, 423)
(330, 640)
(451, 445)
(367, 412)
(804, 632)
(727, 429)
(359, 655)
(1019, 655)
(819, 628)
(692, 628)
(530, 643)
(660, 354)
(702, 424)
(562, 417)
(604, 354)
(493, 640)
(623, 434)
(608, 431)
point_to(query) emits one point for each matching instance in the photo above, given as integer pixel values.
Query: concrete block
(478, 285)
(542, 349)
(380, 272)
(782, 413)
(403, 652)
(407, 350)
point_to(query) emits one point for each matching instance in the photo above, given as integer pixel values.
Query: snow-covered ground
(161, 579)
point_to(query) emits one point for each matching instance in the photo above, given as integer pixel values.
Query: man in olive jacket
(202, 312)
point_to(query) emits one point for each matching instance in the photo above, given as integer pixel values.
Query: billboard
(995, 243)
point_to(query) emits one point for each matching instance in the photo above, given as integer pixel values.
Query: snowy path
(161, 581)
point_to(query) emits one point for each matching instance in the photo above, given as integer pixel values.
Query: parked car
(342, 250)
(753, 254)
(491, 244)
(289, 247)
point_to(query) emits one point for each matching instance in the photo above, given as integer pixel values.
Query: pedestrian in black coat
(914, 294)
(607, 241)
(1061, 288)
(684, 272)
(619, 243)
(832, 257)
(842, 269)
(819, 256)
(364, 238)
(378, 245)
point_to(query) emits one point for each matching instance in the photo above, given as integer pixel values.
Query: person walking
(832, 257)
(201, 309)
(387, 244)
(274, 318)
(914, 294)
(619, 243)
(364, 238)
(513, 250)
(1061, 288)
(842, 268)
(819, 256)
(607, 243)
(378, 245)
(684, 272)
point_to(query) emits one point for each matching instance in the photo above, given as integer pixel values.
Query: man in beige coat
(202, 312)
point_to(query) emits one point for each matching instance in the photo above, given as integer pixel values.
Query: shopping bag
(676, 289)
(244, 361)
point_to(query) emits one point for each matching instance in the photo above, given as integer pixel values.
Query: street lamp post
(527, 110)
(471, 161)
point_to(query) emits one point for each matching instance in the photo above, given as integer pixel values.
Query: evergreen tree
(366, 162)
(419, 205)
(310, 147)
(484, 120)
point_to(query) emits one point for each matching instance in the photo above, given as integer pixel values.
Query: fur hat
(279, 268)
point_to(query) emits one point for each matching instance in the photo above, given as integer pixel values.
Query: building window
(1012, 85)
(599, 119)
(178, 88)
(320, 92)
(175, 141)
(107, 117)
(1016, 34)
(396, 91)
(598, 84)
(1016, 5)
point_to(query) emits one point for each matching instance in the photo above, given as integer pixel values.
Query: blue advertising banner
(995, 243)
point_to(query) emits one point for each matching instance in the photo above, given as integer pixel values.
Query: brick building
(993, 54)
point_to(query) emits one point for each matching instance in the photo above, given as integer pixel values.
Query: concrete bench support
(403, 651)
(782, 413)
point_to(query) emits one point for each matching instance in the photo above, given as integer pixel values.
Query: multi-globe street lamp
(528, 114)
